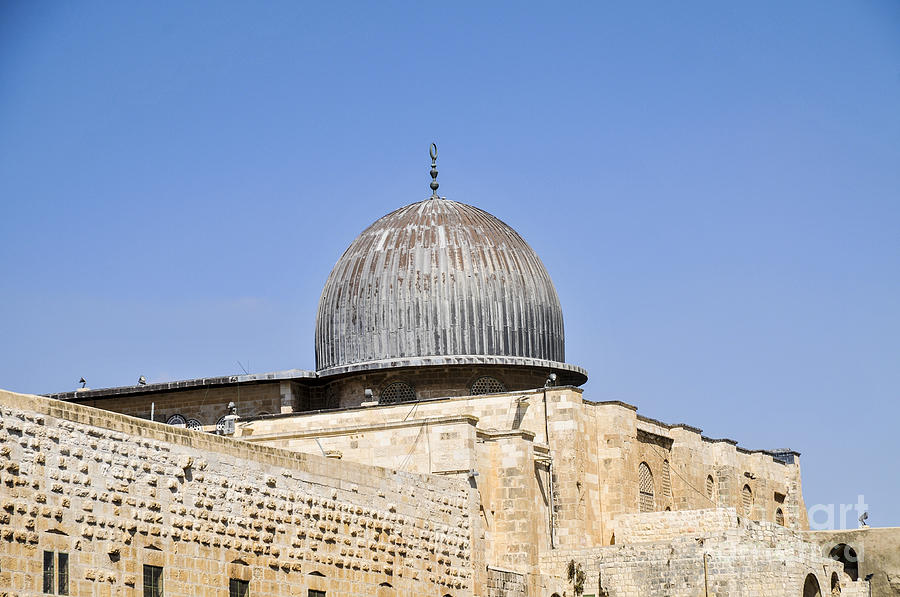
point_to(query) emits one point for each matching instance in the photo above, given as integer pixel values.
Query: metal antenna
(432, 151)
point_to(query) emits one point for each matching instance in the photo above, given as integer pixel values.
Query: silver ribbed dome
(434, 281)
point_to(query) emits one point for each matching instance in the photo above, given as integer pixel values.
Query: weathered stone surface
(199, 505)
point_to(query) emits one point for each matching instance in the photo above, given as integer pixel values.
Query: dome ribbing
(438, 279)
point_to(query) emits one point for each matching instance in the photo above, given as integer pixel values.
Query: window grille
(153, 581)
(487, 385)
(710, 488)
(396, 392)
(62, 574)
(238, 588)
(779, 516)
(666, 479)
(56, 573)
(49, 571)
(220, 425)
(747, 499)
(194, 424)
(645, 487)
(176, 420)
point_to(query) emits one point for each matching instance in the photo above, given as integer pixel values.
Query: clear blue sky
(714, 187)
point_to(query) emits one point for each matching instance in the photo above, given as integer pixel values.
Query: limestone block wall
(742, 558)
(505, 583)
(578, 482)
(432, 445)
(117, 493)
(682, 461)
(665, 526)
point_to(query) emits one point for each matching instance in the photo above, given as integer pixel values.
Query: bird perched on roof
(142, 380)
(863, 518)
(82, 381)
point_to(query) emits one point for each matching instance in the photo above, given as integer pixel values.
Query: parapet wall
(116, 493)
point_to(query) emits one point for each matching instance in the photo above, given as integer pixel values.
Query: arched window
(194, 424)
(397, 391)
(646, 500)
(220, 425)
(835, 585)
(779, 516)
(811, 587)
(666, 479)
(487, 385)
(846, 555)
(747, 500)
(711, 488)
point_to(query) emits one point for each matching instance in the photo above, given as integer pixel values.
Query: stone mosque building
(442, 446)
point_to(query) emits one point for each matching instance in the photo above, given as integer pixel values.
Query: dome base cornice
(573, 374)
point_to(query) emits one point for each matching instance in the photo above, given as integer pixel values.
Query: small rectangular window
(49, 571)
(238, 588)
(314, 593)
(62, 574)
(153, 581)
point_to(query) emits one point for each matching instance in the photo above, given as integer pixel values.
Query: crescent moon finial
(432, 151)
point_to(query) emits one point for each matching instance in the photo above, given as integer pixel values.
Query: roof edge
(579, 374)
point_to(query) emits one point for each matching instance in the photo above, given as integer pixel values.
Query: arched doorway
(811, 587)
(846, 555)
(835, 585)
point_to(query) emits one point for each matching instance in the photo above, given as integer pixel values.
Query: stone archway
(846, 555)
(811, 586)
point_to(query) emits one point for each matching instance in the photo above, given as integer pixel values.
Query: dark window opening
(315, 593)
(62, 575)
(49, 571)
(238, 588)
(153, 581)
(56, 573)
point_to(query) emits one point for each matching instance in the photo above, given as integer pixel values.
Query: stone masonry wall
(206, 404)
(116, 493)
(505, 583)
(742, 558)
(664, 526)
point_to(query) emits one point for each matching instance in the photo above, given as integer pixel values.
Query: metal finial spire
(432, 151)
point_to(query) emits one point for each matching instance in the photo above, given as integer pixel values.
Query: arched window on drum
(397, 391)
(487, 385)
